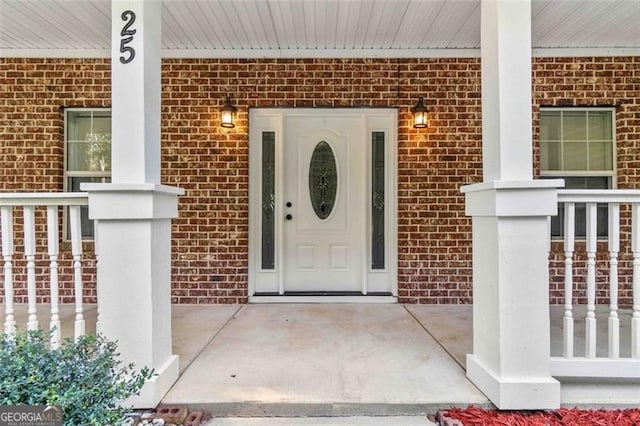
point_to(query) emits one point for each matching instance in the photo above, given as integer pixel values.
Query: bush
(84, 377)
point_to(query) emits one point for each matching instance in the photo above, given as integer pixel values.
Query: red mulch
(562, 417)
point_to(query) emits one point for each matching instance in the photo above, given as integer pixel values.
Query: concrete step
(275, 410)
(324, 421)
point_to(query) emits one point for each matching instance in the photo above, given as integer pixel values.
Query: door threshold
(277, 298)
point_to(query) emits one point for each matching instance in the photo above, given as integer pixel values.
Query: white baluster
(569, 247)
(52, 245)
(592, 238)
(95, 250)
(635, 247)
(30, 256)
(614, 249)
(76, 251)
(6, 223)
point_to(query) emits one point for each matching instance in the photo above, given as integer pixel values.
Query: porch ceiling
(317, 28)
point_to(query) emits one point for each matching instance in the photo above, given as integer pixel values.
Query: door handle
(288, 217)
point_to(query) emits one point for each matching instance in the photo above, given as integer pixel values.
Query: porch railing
(589, 364)
(32, 231)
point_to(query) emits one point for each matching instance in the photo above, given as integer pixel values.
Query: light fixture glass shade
(419, 114)
(227, 114)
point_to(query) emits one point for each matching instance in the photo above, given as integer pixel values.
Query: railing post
(6, 223)
(614, 364)
(52, 245)
(76, 252)
(635, 320)
(590, 322)
(97, 260)
(569, 246)
(30, 256)
(614, 249)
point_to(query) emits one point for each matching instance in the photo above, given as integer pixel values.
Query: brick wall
(33, 93)
(585, 82)
(210, 238)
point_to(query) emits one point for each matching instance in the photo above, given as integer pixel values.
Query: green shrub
(84, 377)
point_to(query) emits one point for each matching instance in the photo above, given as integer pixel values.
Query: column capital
(132, 201)
(513, 198)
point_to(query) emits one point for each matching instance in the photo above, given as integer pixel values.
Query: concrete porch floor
(323, 360)
(336, 359)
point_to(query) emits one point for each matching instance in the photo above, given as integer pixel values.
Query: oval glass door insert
(323, 180)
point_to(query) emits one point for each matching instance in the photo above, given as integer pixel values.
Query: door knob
(288, 217)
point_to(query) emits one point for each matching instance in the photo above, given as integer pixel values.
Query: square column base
(157, 387)
(133, 248)
(511, 327)
(514, 394)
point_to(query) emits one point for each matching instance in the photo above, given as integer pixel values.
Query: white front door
(324, 195)
(322, 202)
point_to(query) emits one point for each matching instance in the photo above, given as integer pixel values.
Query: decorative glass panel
(268, 199)
(323, 180)
(377, 200)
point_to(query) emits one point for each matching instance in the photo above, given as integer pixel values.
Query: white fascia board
(564, 52)
(320, 53)
(55, 53)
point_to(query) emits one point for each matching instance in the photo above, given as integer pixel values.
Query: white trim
(266, 120)
(44, 199)
(321, 53)
(271, 119)
(596, 367)
(540, 52)
(613, 173)
(55, 53)
(68, 175)
(323, 299)
(574, 52)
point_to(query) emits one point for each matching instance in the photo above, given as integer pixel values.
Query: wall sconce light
(419, 114)
(227, 114)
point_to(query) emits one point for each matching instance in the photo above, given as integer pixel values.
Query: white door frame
(269, 283)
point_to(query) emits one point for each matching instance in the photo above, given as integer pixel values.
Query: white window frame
(612, 174)
(67, 175)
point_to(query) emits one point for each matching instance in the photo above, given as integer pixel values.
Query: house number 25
(127, 33)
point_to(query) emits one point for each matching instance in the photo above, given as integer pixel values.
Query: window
(577, 145)
(87, 152)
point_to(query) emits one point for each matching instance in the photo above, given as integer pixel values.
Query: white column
(136, 91)
(134, 211)
(510, 360)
